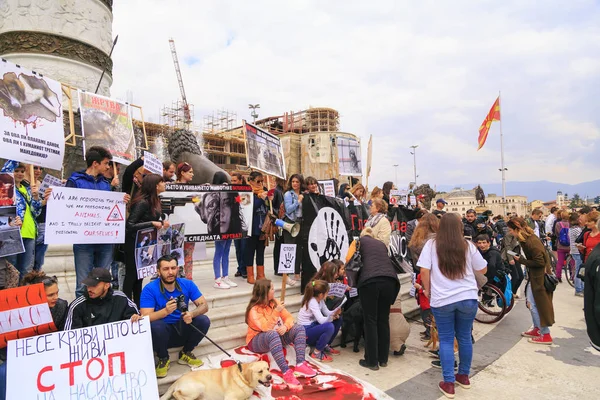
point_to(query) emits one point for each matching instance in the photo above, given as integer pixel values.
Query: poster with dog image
(152, 244)
(107, 122)
(7, 189)
(210, 212)
(31, 117)
(349, 160)
(264, 151)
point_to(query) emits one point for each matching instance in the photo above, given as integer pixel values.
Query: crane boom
(186, 107)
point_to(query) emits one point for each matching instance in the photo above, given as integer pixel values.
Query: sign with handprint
(327, 238)
(287, 259)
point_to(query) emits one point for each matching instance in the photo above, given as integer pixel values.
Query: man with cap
(100, 304)
(439, 211)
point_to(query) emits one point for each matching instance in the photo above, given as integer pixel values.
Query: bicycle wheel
(553, 260)
(491, 305)
(570, 270)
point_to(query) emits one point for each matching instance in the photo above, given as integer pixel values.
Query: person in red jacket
(426, 313)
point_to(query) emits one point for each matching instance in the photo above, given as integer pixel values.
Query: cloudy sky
(406, 72)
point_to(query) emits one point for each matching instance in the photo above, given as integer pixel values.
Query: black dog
(352, 325)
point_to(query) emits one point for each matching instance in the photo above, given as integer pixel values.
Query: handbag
(354, 266)
(550, 282)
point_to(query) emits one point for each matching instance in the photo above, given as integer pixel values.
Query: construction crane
(186, 108)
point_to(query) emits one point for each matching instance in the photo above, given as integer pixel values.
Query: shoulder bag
(354, 266)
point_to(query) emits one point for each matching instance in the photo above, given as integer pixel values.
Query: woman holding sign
(145, 212)
(185, 174)
(255, 243)
(292, 202)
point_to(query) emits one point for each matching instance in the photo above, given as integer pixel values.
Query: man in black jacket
(496, 270)
(100, 304)
(470, 224)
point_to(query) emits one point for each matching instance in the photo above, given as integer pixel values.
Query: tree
(575, 201)
(427, 191)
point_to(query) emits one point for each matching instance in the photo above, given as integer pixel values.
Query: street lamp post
(253, 113)
(396, 168)
(414, 153)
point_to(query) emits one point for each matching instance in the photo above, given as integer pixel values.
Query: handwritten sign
(287, 259)
(109, 361)
(48, 181)
(152, 163)
(327, 188)
(337, 289)
(77, 216)
(24, 312)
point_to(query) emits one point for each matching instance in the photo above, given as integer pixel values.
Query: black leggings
(254, 244)
(516, 273)
(132, 286)
(376, 299)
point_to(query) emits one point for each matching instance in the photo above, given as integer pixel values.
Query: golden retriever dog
(236, 382)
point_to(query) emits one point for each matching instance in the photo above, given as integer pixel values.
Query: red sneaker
(331, 350)
(290, 379)
(542, 339)
(463, 381)
(447, 388)
(532, 333)
(305, 370)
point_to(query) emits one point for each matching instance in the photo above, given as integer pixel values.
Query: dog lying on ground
(352, 325)
(236, 382)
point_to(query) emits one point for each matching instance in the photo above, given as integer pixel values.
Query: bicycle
(492, 306)
(569, 270)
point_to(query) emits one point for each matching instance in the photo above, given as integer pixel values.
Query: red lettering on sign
(71, 366)
(42, 388)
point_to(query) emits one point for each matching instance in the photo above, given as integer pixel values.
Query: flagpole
(503, 170)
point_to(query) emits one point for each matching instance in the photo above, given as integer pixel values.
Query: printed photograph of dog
(27, 98)
(11, 242)
(349, 159)
(7, 189)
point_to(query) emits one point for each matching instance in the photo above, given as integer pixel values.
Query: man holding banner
(90, 256)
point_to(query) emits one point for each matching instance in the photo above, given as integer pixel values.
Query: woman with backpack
(563, 248)
(292, 203)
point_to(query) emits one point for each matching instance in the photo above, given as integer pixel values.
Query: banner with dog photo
(31, 117)
(349, 160)
(152, 244)
(11, 241)
(264, 151)
(107, 122)
(210, 212)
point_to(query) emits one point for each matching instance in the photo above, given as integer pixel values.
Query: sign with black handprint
(287, 259)
(327, 238)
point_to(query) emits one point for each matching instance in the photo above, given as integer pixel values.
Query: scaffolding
(173, 117)
(220, 121)
(224, 143)
(317, 119)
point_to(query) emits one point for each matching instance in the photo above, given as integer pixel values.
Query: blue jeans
(3, 381)
(221, 258)
(40, 247)
(239, 255)
(535, 315)
(578, 264)
(23, 262)
(455, 320)
(319, 335)
(88, 257)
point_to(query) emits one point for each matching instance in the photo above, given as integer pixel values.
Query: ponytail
(313, 289)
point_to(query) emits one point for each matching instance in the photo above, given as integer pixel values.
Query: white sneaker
(221, 284)
(291, 282)
(229, 281)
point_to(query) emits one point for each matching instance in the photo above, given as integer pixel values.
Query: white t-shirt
(446, 291)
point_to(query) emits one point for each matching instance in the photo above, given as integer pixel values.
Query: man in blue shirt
(159, 302)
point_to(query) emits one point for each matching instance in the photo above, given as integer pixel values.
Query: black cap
(96, 276)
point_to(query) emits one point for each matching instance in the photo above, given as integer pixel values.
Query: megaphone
(293, 229)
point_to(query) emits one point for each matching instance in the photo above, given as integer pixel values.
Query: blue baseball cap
(441, 201)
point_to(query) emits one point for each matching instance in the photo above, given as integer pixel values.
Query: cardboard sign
(49, 181)
(264, 151)
(287, 259)
(24, 312)
(77, 216)
(107, 122)
(152, 244)
(211, 212)
(327, 188)
(31, 117)
(337, 289)
(152, 163)
(110, 361)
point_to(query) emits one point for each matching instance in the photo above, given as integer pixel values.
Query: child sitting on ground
(317, 320)
(271, 327)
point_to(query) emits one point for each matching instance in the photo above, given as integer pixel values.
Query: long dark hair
(260, 295)
(313, 289)
(300, 179)
(387, 187)
(327, 272)
(451, 247)
(148, 192)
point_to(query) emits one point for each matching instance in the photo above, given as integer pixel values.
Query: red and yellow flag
(493, 115)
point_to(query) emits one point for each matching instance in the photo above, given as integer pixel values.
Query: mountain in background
(538, 190)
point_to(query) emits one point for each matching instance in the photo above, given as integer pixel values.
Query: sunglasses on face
(38, 168)
(259, 181)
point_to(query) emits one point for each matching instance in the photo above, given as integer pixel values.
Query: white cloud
(409, 73)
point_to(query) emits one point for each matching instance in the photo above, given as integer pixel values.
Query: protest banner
(24, 312)
(337, 289)
(48, 181)
(110, 361)
(398, 197)
(31, 117)
(327, 188)
(152, 163)
(287, 259)
(107, 122)
(78, 216)
(349, 160)
(151, 244)
(264, 151)
(210, 212)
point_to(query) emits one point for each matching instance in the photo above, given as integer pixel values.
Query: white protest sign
(48, 181)
(78, 216)
(328, 188)
(110, 361)
(337, 289)
(287, 259)
(152, 163)
(399, 197)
